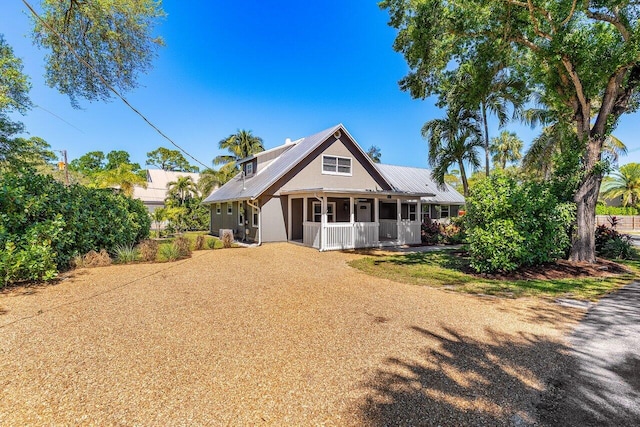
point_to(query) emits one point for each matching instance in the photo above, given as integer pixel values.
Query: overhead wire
(107, 85)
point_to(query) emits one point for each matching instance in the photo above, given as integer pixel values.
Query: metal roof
(251, 187)
(418, 180)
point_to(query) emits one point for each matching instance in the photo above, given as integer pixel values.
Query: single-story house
(157, 179)
(325, 192)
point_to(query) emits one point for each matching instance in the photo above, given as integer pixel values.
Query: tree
(181, 189)
(114, 37)
(374, 153)
(453, 140)
(580, 57)
(506, 148)
(89, 163)
(122, 176)
(115, 158)
(240, 145)
(169, 160)
(624, 184)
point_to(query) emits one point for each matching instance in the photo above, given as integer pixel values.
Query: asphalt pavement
(603, 388)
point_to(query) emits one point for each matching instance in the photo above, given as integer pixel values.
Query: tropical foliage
(581, 58)
(453, 140)
(511, 224)
(169, 160)
(44, 224)
(506, 148)
(623, 184)
(239, 145)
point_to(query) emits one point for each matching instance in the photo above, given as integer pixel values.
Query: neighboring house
(157, 179)
(325, 192)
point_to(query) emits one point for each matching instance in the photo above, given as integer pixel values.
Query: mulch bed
(562, 269)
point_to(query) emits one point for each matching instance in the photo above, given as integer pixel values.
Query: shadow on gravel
(603, 386)
(463, 381)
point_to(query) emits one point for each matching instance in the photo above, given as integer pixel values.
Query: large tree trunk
(463, 176)
(583, 243)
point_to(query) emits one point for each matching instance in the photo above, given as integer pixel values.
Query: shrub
(616, 210)
(49, 224)
(211, 243)
(227, 239)
(430, 232)
(183, 246)
(199, 242)
(96, 259)
(619, 247)
(126, 253)
(169, 252)
(148, 250)
(511, 224)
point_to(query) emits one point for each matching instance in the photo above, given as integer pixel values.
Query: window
(317, 212)
(229, 209)
(241, 215)
(444, 211)
(334, 165)
(218, 208)
(254, 217)
(412, 212)
(248, 169)
(426, 213)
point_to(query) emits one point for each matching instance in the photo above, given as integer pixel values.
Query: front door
(363, 212)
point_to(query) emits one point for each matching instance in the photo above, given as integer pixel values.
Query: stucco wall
(274, 219)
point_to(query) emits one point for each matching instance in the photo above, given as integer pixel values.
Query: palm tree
(545, 147)
(625, 184)
(122, 177)
(240, 145)
(211, 179)
(453, 140)
(506, 148)
(181, 189)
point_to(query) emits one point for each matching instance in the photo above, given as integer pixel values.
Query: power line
(107, 85)
(58, 117)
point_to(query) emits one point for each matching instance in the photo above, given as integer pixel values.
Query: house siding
(274, 219)
(311, 176)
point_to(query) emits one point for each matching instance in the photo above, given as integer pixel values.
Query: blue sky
(282, 69)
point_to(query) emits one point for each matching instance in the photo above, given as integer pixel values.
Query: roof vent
(337, 134)
(287, 141)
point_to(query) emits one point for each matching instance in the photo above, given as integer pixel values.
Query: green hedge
(44, 224)
(616, 210)
(511, 224)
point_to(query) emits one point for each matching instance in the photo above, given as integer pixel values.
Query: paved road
(603, 389)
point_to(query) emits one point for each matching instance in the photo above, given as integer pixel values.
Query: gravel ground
(275, 335)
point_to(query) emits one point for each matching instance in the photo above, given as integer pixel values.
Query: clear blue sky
(281, 69)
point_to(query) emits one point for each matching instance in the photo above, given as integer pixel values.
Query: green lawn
(444, 269)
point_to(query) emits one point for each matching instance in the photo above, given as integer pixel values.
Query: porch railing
(365, 234)
(311, 234)
(339, 235)
(409, 232)
(388, 229)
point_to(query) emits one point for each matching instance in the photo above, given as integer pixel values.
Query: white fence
(311, 234)
(409, 232)
(366, 234)
(346, 235)
(388, 229)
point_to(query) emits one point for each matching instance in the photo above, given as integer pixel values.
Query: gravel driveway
(276, 335)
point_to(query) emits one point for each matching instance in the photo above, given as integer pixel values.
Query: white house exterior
(157, 179)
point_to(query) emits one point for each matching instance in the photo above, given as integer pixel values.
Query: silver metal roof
(253, 186)
(418, 180)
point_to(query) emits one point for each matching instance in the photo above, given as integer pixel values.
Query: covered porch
(334, 220)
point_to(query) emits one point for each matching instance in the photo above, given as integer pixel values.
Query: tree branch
(575, 79)
(571, 12)
(613, 20)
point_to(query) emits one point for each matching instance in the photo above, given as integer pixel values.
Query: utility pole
(64, 164)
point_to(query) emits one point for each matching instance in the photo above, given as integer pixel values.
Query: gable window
(254, 217)
(218, 208)
(335, 165)
(317, 212)
(229, 208)
(248, 169)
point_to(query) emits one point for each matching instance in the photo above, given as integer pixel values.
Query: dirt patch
(562, 269)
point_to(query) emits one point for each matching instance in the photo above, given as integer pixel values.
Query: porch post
(399, 220)
(304, 210)
(419, 211)
(352, 221)
(376, 218)
(289, 218)
(323, 222)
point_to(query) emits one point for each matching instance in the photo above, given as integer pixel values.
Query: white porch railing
(409, 232)
(338, 235)
(365, 234)
(388, 229)
(311, 234)
(346, 235)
